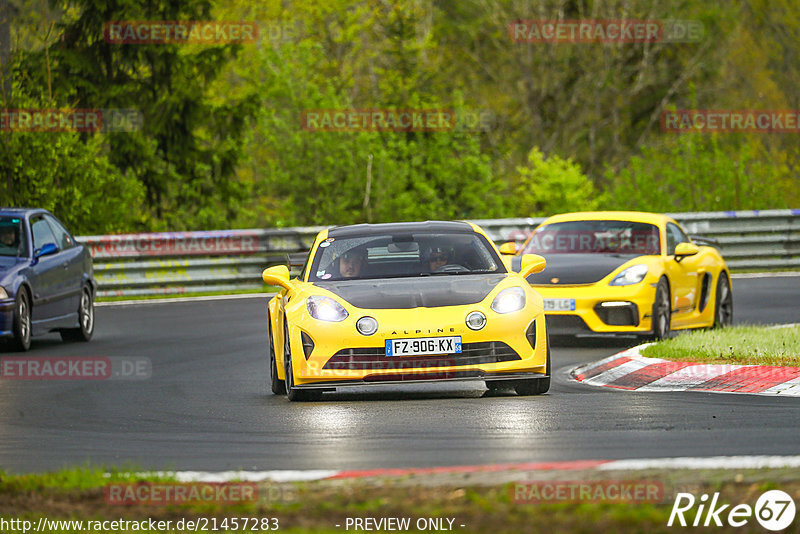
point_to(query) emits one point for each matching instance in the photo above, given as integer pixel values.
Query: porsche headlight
(325, 309)
(509, 300)
(632, 275)
(3, 293)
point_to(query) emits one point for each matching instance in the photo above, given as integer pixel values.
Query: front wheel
(723, 309)
(292, 393)
(277, 386)
(85, 319)
(22, 322)
(662, 313)
(535, 386)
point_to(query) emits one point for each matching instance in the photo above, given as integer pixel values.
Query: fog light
(476, 320)
(367, 326)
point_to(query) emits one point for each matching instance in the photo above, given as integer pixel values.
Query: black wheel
(662, 311)
(85, 319)
(723, 309)
(535, 386)
(277, 385)
(292, 393)
(22, 322)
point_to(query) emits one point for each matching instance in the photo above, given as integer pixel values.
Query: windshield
(12, 237)
(403, 255)
(593, 237)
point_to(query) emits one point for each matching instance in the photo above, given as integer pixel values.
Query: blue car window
(42, 234)
(63, 239)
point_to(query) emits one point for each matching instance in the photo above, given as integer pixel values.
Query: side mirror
(685, 249)
(46, 250)
(532, 264)
(277, 276)
(509, 248)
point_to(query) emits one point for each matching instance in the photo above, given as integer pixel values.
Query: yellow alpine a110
(626, 273)
(401, 302)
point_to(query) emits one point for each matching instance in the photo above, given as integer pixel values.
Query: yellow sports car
(399, 302)
(626, 273)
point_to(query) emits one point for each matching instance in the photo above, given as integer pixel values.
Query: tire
(21, 325)
(662, 311)
(292, 393)
(723, 307)
(277, 386)
(535, 386)
(85, 318)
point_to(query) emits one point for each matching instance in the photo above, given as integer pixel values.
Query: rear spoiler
(704, 240)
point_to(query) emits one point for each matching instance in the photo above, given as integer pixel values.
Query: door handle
(65, 265)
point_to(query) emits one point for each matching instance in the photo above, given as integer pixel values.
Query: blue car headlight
(3, 293)
(325, 309)
(632, 275)
(509, 300)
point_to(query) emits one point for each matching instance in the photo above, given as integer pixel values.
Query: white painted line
(245, 476)
(766, 275)
(713, 462)
(144, 302)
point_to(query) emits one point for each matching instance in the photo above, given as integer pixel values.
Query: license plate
(423, 345)
(559, 304)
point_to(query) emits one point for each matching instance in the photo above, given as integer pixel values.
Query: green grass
(77, 494)
(745, 345)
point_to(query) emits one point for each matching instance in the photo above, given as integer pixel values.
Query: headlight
(476, 320)
(509, 300)
(3, 293)
(367, 326)
(325, 309)
(632, 275)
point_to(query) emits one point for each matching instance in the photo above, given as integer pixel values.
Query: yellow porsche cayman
(626, 273)
(399, 302)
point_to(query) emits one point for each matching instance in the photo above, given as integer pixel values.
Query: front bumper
(511, 346)
(6, 318)
(601, 309)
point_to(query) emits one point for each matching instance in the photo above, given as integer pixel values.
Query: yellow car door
(682, 269)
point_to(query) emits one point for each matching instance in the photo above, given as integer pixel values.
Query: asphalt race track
(207, 407)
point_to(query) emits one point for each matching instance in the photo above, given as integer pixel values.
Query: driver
(438, 257)
(8, 236)
(351, 263)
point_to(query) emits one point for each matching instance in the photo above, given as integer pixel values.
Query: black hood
(576, 268)
(406, 293)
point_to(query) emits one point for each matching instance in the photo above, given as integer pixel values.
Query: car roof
(359, 230)
(21, 212)
(634, 216)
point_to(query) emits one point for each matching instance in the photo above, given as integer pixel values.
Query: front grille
(627, 315)
(368, 359)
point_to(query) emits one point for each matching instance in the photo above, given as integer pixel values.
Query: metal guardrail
(228, 260)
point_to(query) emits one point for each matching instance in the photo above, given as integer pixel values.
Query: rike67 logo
(774, 510)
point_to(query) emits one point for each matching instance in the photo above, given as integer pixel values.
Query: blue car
(46, 279)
